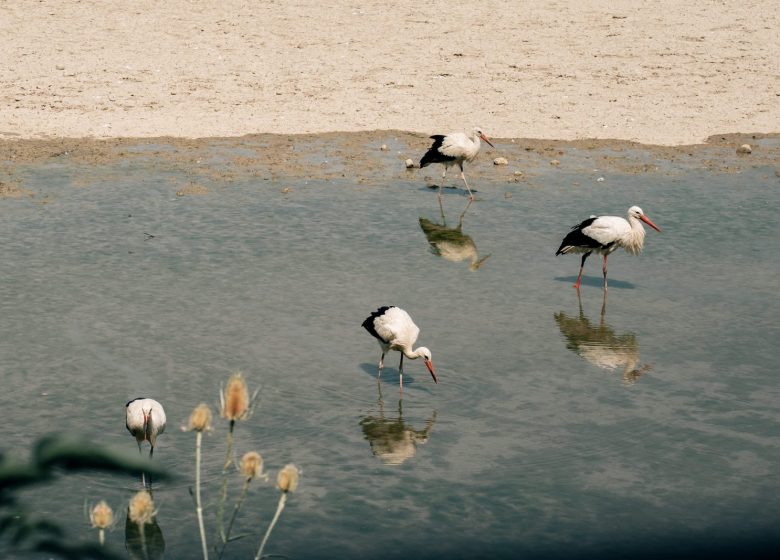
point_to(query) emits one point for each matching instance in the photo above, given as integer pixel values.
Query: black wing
(368, 324)
(575, 238)
(433, 155)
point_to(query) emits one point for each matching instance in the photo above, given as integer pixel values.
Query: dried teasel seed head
(101, 516)
(141, 509)
(200, 419)
(235, 398)
(252, 465)
(287, 480)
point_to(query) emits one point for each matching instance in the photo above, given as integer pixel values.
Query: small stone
(744, 149)
(409, 163)
(518, 173)
(383, 147)
(555, 162)
(60, 67)
(285, 190)
(500, 161)
(600, 179)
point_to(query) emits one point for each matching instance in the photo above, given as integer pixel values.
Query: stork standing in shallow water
(395, 330)
(605, 234)
(454, 148)
(145, 420)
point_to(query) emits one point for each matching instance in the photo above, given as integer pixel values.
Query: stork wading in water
(605, 234)
(395, 330)
(145, 420)
(454, 149)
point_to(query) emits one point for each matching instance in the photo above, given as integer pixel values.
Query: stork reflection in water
(451, 243)
(391, 439)
(600, 345)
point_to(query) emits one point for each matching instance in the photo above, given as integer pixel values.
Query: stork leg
(143, 476)
(151, 454)
(401, 372)
(605, 273)
(582, 266)
(463, 176)
(381, 365)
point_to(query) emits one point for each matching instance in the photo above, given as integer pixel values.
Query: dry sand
(657, 72)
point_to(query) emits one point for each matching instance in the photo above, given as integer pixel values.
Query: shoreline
(373, 158)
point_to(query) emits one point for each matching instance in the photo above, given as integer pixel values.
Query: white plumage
(145, 420)
(395, 330)
(605, 234)
(454, 149)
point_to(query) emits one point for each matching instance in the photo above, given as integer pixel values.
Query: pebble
(409, 163)
(600, 179)
(555, 162)
(744, 149)
(383, 147)
(60, 67)
(518, 174)
(285, 190)
(500, 161)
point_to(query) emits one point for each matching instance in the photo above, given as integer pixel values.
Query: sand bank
(659, 72)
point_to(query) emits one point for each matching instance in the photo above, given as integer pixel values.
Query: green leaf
(76, 453)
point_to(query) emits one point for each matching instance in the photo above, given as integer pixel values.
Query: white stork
(145, 420)
(395, 330)
(605, 234)
(454, 148)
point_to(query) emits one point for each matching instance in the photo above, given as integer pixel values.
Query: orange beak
(486, 139)
(646, 220)
(429, 365)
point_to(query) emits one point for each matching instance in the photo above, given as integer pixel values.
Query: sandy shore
(660, 72)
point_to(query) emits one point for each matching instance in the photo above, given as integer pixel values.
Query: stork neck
(409, 353)
(635, 239)
(149, 426)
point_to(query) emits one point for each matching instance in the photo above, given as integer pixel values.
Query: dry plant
(235, 404)
(286, 481)
(200, 421)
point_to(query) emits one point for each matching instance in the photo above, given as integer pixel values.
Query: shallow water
(646, 423)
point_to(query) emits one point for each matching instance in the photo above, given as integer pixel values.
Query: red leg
(582, 266)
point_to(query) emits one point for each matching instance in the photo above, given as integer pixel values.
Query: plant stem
(239, 503)
(143, 540)
(198, 503)
(279, 508)
(102, 536)
(223, 496)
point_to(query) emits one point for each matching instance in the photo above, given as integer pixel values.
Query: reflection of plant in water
(451, 243)
(150, 541)
(391, 439)
(53, 456)
(601, 345)
(101, 516)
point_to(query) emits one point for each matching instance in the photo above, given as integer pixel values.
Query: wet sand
(374, 159)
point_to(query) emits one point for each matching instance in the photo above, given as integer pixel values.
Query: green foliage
(54, 455)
